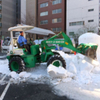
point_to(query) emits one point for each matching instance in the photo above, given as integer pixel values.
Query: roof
(40, 31)
(31, 29)
(20, 28)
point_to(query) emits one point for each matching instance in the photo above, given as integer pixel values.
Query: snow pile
(78, 69)
(4, 67)
(91, 38)
(14, 75)
(57, 72)
(37, 74)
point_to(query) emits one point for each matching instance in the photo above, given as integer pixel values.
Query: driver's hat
(21, 31)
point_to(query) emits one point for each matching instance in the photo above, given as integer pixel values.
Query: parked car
(65, 49)
(6, 44)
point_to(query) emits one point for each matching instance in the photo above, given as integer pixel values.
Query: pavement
(3, 55)
(30, 91)
(26, 90)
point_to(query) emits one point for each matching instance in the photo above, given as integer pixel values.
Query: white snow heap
(14, 75)
(91, 38)
(24, 75)
(71, 68)
(81, 64)
(58, 72)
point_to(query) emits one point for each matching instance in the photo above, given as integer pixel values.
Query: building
(82, 16)
(23, 11)
(7, 16)
(18, 11)
(31, 12)
(52, 15)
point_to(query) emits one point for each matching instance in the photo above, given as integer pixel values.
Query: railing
(0, 32)
(0, 7)
(0, 15)
(0, 24)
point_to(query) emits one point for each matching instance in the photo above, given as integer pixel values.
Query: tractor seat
(19, 45)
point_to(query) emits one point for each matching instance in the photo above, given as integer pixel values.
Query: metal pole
(11, 33)
(24, 34)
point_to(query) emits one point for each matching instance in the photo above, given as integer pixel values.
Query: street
(27, 91)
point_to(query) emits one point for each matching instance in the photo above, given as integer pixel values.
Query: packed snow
(80, 80)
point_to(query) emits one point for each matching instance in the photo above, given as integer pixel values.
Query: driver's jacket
(22, 40)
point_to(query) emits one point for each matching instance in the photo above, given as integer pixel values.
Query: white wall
(77, 10)
(23, 11)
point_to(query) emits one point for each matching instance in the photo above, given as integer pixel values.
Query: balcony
(0, 33)
(0, 15)
(0, 24)
(0, 7)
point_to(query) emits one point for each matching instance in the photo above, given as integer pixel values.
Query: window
(76, 23)
(44, 13)
(56, 2)
(44, 22)
(56, 29)
(44, 5)
(71, 34)
(90, 20)
(56, 20)
(90, 10)
(56, 11)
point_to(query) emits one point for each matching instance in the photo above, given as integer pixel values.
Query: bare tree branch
(28, 19)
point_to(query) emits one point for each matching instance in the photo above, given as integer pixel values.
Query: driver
(23, 42)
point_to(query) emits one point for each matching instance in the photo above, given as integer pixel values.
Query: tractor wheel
(91, 53)
(57, 61)
(56, 53)
(16, 64)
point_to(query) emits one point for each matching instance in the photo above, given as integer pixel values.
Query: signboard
(54, 42)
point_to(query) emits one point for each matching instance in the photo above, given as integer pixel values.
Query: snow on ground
(39, 73)
(85, 84)
(80, 80)
(4, 67)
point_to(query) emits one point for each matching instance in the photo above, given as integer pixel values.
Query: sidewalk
(2, 55)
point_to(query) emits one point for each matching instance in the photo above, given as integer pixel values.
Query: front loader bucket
(88, 50)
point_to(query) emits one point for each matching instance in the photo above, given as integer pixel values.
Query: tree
(86, 28)
(28, 19)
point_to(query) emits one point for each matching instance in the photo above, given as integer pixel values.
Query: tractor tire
(16, 64)
(91, 53)
(57, 61)
(56, 53)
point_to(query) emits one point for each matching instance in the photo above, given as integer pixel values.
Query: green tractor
(20, 58)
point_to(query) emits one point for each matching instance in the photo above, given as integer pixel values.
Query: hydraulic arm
(86, 49)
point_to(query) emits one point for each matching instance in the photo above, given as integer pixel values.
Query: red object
(74, 53)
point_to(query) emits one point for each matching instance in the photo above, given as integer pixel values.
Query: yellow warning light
(66, 43)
